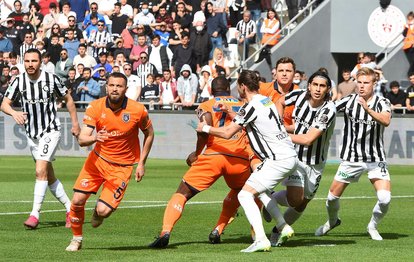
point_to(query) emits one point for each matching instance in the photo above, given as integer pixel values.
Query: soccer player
(271, 143)
(39, 91)
(314, 116)
(221, 157)
(365, 115)
(116, 121)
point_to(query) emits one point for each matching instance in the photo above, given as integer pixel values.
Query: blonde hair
(216, 52)
(366, 71)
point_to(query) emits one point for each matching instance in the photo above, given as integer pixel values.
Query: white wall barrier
(175, 138)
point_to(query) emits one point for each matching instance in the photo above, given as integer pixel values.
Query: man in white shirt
(134, 83)
(159, 55)
(83, 58)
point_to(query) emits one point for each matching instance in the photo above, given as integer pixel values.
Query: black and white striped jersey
(39, 101)
(246, 29)
(267, 135)
(22, 50)
(305, 117)
(363, 139)
(100, 38)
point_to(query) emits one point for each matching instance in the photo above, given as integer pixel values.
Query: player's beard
(115, 98)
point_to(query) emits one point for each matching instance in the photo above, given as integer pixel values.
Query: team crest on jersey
(84, 182)
(242, 112)
(323, 118)
(46, 88)
(126, 117)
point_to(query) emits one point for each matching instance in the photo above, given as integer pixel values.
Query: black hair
(250, 79)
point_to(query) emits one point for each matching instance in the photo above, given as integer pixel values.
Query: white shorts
(306, 176)
(349, 172)
(45, 147)
(270, 173)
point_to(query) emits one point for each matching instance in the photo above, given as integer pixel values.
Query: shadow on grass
(385, 236)
(51, 224)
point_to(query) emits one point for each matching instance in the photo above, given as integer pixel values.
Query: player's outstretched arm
(18, 116)
(70, 105)
(146, 148)
(225, 132)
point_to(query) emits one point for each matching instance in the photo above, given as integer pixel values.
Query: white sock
(332, 206)
(39, 195)
(380, 208)
(271, 207)
(281, 198)
(252, 212)
(291, 215)
(60, 194)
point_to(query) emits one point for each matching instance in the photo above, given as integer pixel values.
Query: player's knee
(41, 173)
(332, 198)
(244, 195)
(103, 210)
(79, 199)
(384, 197)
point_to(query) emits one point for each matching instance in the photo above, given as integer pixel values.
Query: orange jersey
(235, 146)
(268, 89)
(122, 146)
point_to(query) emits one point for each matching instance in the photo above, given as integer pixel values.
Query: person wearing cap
(205, 84)
(100, 76)
(5, 44)
(187, 85)
(103, 62)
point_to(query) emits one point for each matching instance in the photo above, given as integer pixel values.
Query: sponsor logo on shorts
(343, 174)
(84, 183)
(294, 177)
(74, 220)
(47, 139)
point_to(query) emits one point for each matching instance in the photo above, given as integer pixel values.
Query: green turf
(126, 234)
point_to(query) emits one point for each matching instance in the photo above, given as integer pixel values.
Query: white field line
(154, 204)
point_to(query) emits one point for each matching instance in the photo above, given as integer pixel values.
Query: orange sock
(77, 216)
(229, 209)
(173, 211)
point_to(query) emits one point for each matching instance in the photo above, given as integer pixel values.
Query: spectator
(298, 80)
(366, 61)
(35, 17)
(187, 85)
(144, 17)
(93, 13)
(236, 11)
(126, 9)
(88, 89)
(134, 83)
(246, 33)
(81, 8)
(40, 45)
(118, 47)
(380, 85)
(64, 15)
(99, 40)
(5, 44)
(201, 44)
(56, 31)
(119, 20)
(72, 84)
(184, 54)
(100, 76)
(396, 96)
(348, 86)
(175, 36)
(270, 30)
(27, 44)
(151, 92)
(219, 63)
(14, 62)
(145, 68)
(71, 43)
(14, 72)
(134, 57)
(168, 91)
(159, 55)
(292, 6)
(17, 14)
(92, 26)
(215, 27)
(103, 62)
(79, 72)
(47, 65)
(408, 47)
(163, 16)
(106, 7)
(182, 16)
(50, 18)
(130, 35)
(255, 10)
(12, 34)
(63, 65)
(72, 26)
(161, 31)
(409, 103)
(41, 36)
(45, 6)
(83, 58)
(26, 27)
(54, 49)
(205, 84)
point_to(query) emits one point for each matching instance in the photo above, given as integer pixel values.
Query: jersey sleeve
(90, 117)
(144, 121)
(384, 105)
(13, 90)
(340, 104)
(58, 87)
(245, 115)
(325, 117)
(292, 97)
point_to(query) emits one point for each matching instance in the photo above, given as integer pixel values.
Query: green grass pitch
(125, 235)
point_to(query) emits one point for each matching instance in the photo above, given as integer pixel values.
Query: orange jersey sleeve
(235, 146)
(267, 89)
(122, 145)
